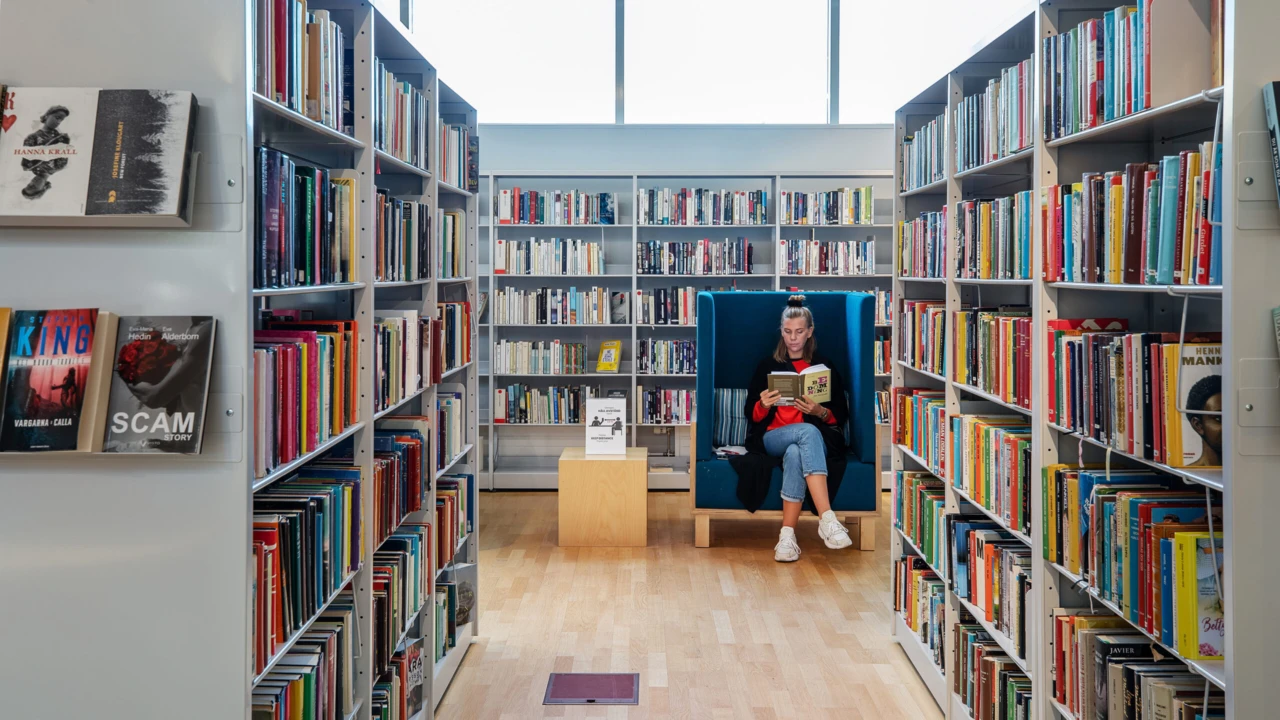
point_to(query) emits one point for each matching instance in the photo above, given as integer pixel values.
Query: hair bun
(795, 301)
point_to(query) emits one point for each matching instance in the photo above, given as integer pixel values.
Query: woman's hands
(769, 398)
(809, 407)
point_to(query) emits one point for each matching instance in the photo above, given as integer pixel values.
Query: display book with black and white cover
(606, 426)
(160, 384)
(74, 152)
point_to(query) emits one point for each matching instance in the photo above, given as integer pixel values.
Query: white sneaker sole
(837, 540)
(779, 557)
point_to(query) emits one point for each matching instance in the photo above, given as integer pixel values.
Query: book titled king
(56, 379)
(160, 384)
(67, 152)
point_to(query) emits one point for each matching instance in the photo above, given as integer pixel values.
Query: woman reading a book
(800, 431)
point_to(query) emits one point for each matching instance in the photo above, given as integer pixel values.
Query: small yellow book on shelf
(610, 356)
(814, 383)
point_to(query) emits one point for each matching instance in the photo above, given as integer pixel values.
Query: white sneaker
(786, 550)
(835, 535)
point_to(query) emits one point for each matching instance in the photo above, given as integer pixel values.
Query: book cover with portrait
(159, 384)
(46, 141)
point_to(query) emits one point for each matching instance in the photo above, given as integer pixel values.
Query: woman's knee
(808, 433)
(792, 455)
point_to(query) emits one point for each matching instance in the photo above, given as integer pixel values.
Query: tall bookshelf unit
(525, 456)
(164, 541)
(1185, 111)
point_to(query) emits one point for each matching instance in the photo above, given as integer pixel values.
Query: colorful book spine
(996, 123)
(523, 404)
(832, 258)
(701, 206)
(920, 599)
(666, 357)
(399, 118)
(555, 207)
(845, 206)
(993, 238)
(696, 257)
(991, 350)
(539, 357)
(923, 335)
(924, 155)
(552, 256)
(659, 406)
(922, 246)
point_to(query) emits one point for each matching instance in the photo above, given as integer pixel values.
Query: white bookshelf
(523, 456)
(168, 538)
(1184, 114)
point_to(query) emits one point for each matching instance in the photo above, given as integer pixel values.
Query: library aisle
(720, 632)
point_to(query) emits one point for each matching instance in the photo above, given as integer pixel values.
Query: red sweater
(787, 414)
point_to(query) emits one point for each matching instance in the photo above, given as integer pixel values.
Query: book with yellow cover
(610, 356)
(814, 382)
(1198, 616)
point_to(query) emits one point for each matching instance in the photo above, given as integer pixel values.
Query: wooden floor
(723, 632)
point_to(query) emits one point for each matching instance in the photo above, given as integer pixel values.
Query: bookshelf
(176, 530)
(1185, 110)
(520, 456)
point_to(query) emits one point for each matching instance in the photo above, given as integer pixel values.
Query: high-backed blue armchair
(738, 329)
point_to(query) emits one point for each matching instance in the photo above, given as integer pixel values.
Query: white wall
(629, 149)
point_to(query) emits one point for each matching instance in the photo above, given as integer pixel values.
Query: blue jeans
(803, 453)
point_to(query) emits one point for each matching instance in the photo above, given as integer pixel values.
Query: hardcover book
(160, 384)
(1199, 614)
(56, 379)
(84, 151)
(814, 382)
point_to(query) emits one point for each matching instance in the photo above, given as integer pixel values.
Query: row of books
(991, 350)
(520, 404)
(924, 155)
(993, 237)
(553, 256)
(882, 407)
(446, 618)
(918, 421)
(1141, 542)
(459, 149)
(667, 306)
(696, 257)
(666, 357)
(402, 583)
(991, 464)
(555, 207)
(455, 514)
(1098, 71)
(884, 306)
(400, 356)
(922, 246)
(919, 511)
(987, 681)
(837, 257)
(306, 545)
(660, 406)
(883, 354)
(1102, 668)
(316, 680)
(453, 337)
(845, 206)
(996, 122)
(1152, 223)
(302, 62)
(539, 357)
(700, 206)
(306, 377)
(1145, 394)
(555, 306)
(992, 572)
(453, 244)
(305, 223)
(924, 335)
(399, 118)
(400, 692)
(398, 480)
(402, 239)
(451, 424)
(88, 380)
(920, 598)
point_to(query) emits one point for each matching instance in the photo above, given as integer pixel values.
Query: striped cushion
(731, 424)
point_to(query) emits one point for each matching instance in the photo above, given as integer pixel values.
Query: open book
(814, 383)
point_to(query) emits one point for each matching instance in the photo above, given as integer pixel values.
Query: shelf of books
(1080, 306)
(592, 282)
(286, 385)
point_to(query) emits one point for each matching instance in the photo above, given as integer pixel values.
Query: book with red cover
(350, 330)
(310, 435)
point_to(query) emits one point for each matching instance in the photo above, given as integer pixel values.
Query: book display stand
(1186, 109)
(526, 456)
(147, 561)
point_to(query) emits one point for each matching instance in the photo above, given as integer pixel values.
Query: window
(881, 67)
(515, 61)
(726, 61)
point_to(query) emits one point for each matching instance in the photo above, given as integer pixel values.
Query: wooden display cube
(604, 499)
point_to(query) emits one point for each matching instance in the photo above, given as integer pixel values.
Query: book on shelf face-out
(56, 380)
(160, 384)
(610, 356)
(814, 383)
(69, 152)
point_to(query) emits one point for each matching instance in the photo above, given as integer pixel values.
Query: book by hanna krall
(160, 384)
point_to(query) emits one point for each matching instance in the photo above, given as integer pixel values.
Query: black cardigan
(755, 469)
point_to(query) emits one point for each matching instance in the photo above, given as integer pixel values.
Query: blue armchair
(736, 330)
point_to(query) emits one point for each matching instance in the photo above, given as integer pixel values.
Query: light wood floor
(723, 632)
